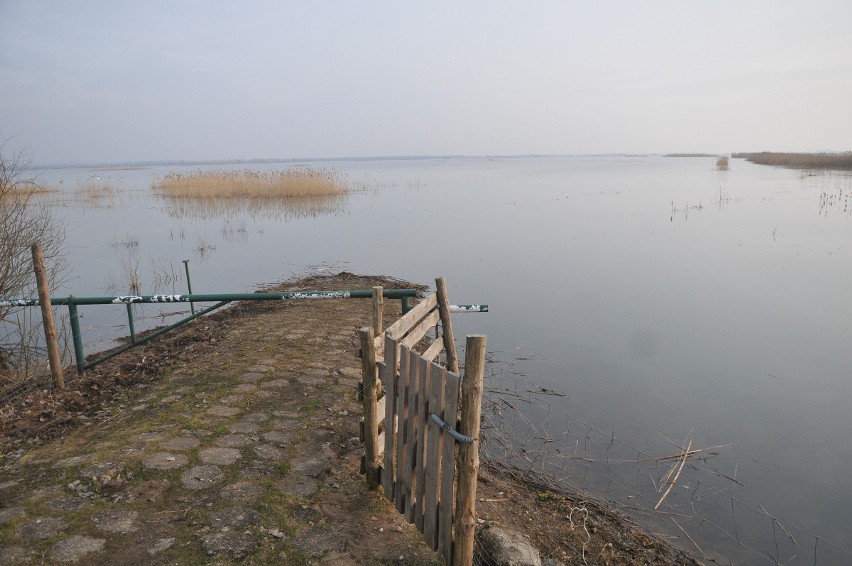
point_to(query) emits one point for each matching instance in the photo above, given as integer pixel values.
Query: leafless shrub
(22, 222)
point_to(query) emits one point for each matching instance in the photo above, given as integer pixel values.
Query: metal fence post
(188, 284)
(130, 323)
(75, 333)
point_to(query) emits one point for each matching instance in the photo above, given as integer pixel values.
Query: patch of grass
(310, 406)
(367, 502)
(251, 184)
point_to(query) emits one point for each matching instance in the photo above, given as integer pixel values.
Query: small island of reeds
(291, 183)
(722, 163)
(831, 161)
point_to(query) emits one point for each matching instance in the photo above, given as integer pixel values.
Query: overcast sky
(84, 82)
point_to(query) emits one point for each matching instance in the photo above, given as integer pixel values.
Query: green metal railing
(221, 299)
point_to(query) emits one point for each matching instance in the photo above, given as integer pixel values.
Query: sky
(116, 82)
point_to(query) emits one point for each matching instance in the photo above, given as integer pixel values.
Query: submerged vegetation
(290, 183)
(836, 161)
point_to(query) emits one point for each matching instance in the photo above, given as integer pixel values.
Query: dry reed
(26, 189)
(96, 192)
(302, 183)
(722, 163)
(836, 161)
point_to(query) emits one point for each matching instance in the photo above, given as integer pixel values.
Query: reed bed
(25, 190)
(291, 183)
(722, 163)
(831, 161)
(280, 208)
(96, 193)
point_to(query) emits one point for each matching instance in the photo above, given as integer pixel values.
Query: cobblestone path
(248, 455)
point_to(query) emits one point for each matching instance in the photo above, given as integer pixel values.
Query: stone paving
(250, 455)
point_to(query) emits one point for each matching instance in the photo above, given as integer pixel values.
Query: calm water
(661, 296)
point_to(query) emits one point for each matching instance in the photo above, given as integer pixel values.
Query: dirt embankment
(235, 439)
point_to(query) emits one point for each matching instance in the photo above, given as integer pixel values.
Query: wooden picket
(422, 469)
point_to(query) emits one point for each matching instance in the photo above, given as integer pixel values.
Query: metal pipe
(126, 347)
(459, 437)
(188, 284)
(468, 308)
(130, 323)
(213, 297)
(74, 316)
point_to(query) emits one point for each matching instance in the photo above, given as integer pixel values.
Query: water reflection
(281, 208)
(732, 324)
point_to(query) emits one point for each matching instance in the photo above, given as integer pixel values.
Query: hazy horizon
(103, 83)
(267, 160)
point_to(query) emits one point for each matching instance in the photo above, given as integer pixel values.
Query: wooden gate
(417, 449)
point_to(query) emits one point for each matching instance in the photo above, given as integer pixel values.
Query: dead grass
(291, 183)
(833, 161)
(722, 163)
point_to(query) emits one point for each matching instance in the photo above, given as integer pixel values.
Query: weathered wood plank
(414, 422)
(380, 410)
(401, 430)
(422, 431)
(413, 316)
(434, 350)
(378, 311)
(389, 376)
(370, 390)
(448, 464)
(433, 458)
(422, 329)
(446, 321)
(468, 458)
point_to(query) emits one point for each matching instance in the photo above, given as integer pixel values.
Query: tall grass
(722, 163)
(836, 161)
(302, 183)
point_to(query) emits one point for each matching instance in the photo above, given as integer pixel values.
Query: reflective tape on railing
(213, 297)
(468, 308)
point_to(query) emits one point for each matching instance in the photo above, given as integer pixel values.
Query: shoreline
(815, 161)
(231, 374)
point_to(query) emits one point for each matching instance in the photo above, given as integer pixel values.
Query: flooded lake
(654, 299)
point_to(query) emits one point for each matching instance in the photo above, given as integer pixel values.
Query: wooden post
(378, 302)
(391, 391)
(468, 456)
(371, 424)
(449, 339)
(53, 355)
